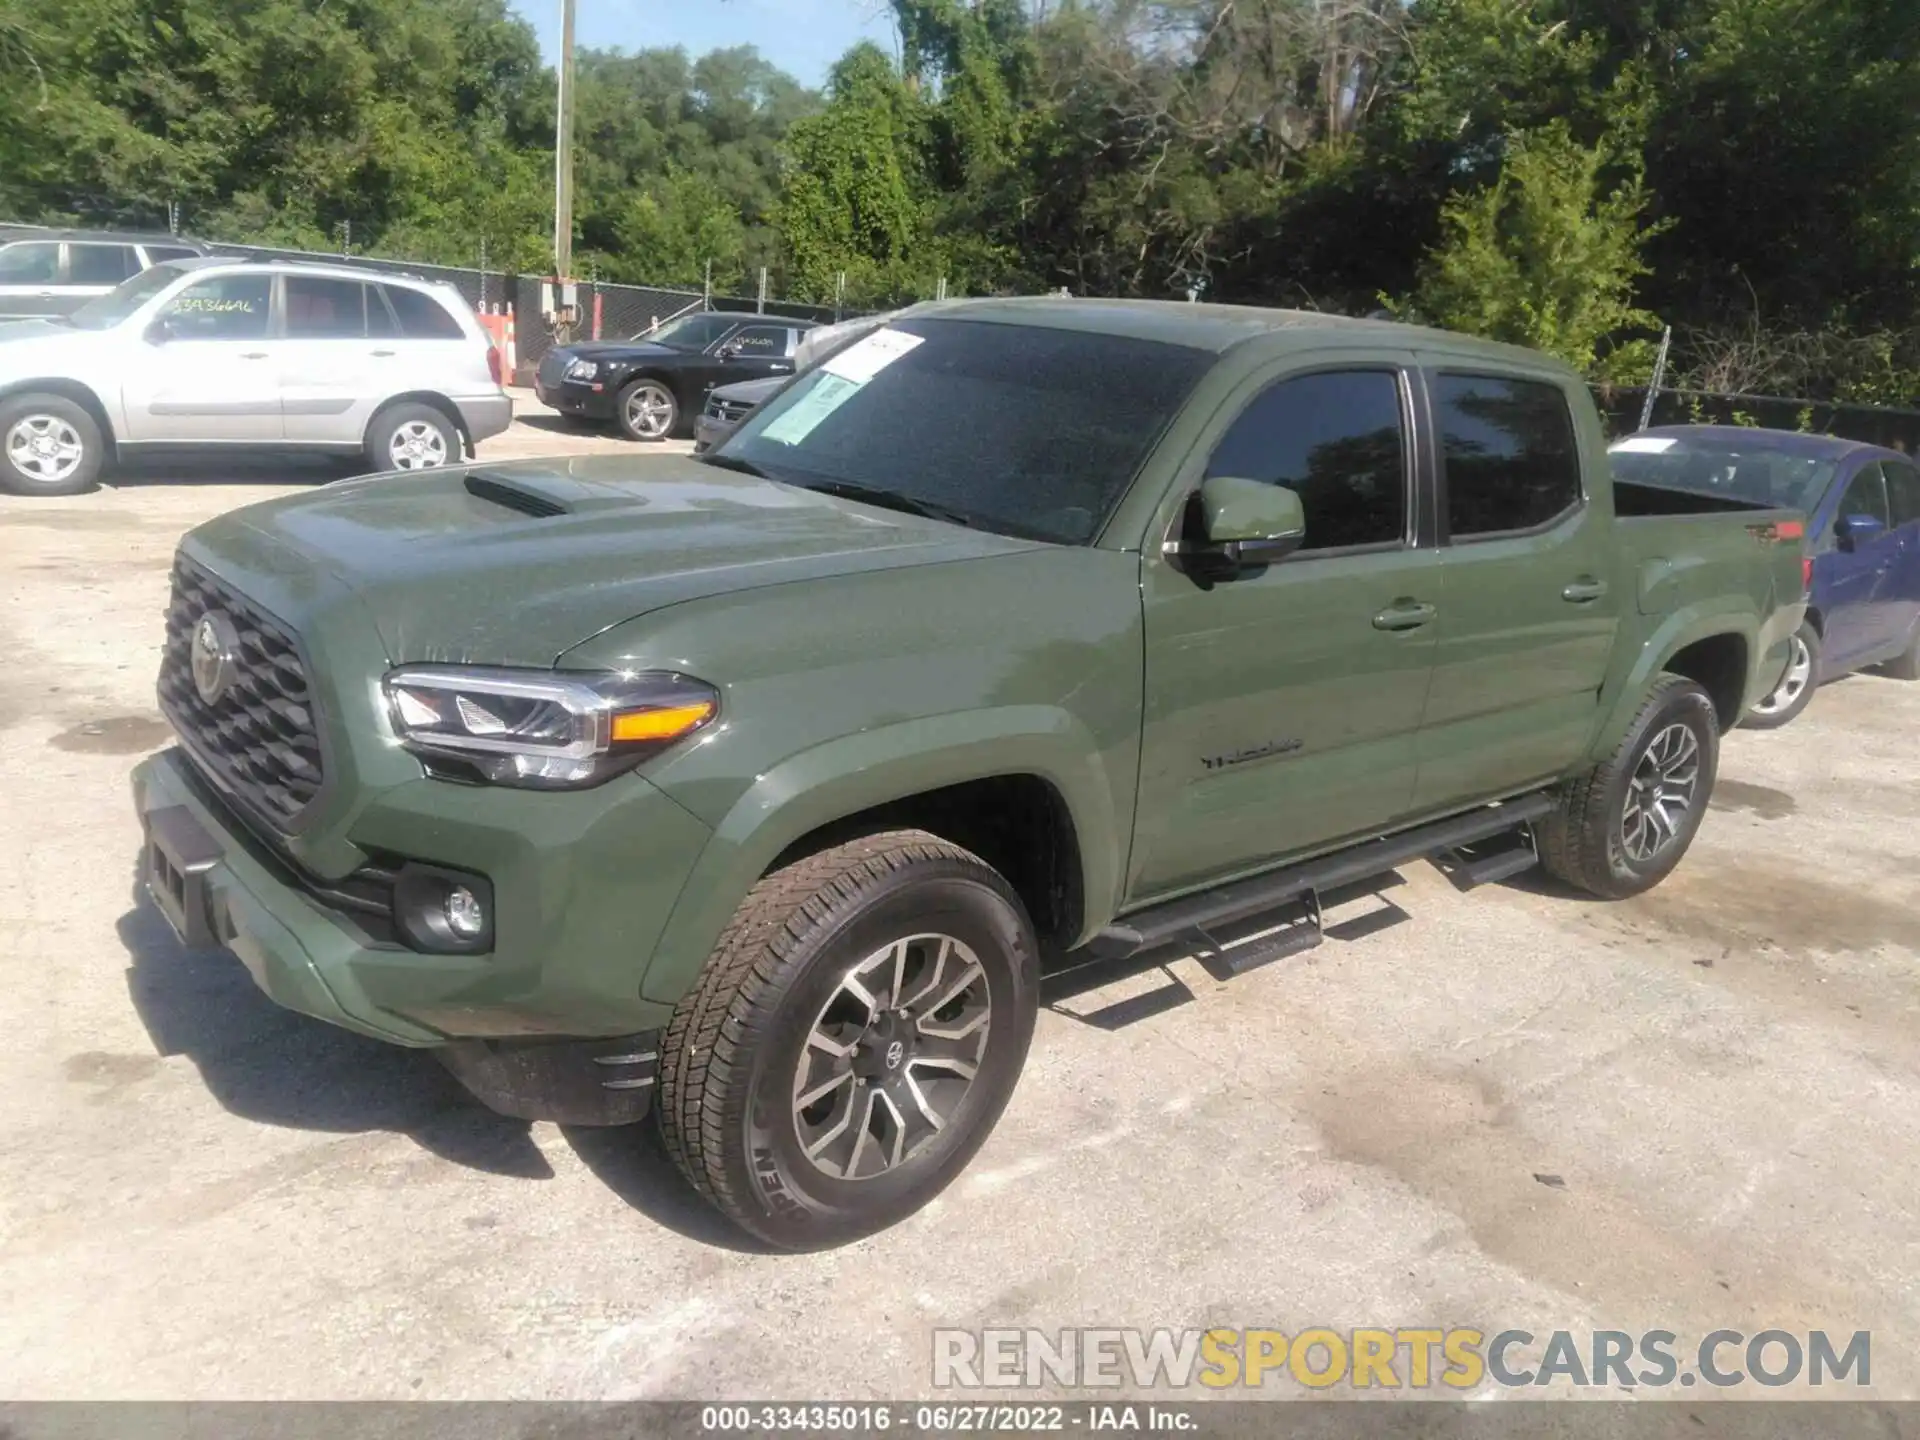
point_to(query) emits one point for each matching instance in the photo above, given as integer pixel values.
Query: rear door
(332, 370)
(1857, 587)
(429, 349)
(1903, 586)
(1528, 626)
(1283, 705)
(213, 374)
(30, 278)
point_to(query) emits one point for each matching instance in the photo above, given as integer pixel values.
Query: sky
(802, 37)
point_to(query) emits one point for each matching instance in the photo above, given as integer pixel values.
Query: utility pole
(563, 156)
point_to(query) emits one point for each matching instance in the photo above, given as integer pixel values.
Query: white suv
(215, 353)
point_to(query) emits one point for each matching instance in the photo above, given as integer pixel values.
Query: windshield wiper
(727, 462)
(892, 500)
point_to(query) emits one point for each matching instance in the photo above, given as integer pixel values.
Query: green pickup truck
(1023, 636)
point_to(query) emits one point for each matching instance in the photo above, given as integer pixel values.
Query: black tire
(731, 1060)
(38, 435)
(1906, 665)
(1786, 702)
(666, 408)
(1585, 840)
(429, 438)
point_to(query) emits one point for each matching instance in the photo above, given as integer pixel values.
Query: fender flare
(1686, 626)
(845, 776)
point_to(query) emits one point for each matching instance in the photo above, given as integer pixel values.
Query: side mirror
(160, 331)
(730, 350)
(1249, 522)
(1852, 530)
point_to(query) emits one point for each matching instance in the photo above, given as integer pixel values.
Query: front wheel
(852, 1039)
(48, 446)
(648, 411)
(1795, 690)
(1621, 827)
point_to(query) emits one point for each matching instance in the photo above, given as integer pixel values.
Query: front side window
(762, 341)
(33, 263)
(319, 308)
(223, 307)
(1866, 495)
(1022, 429)
(1903, 491)
(1511, 459)
(1337, 440)
(100, 264)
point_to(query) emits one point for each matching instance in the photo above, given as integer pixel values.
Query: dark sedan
(654, 384)
(1863, 539)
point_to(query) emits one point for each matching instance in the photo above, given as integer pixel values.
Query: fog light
(465, 916)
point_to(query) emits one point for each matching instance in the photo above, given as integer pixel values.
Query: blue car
(1863, 539)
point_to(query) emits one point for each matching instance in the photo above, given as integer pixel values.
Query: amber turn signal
(655, 725)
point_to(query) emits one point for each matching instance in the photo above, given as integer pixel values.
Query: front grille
(728, 411)
(258, 739)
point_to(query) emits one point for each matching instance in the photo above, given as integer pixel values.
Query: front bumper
(709, 432)
(581, 889)
(575, 397)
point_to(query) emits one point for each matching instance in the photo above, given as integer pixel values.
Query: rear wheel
(1619, 828)
(852, 1040)
(1795, 690)
(648, 411)
(48, 446)
(412, 437)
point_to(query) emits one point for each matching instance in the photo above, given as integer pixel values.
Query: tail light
(493, 363)
(1806, 573)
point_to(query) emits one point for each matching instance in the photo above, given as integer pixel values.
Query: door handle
(1404, 615)
(1584, 591)
(383, 354)
(253, 354)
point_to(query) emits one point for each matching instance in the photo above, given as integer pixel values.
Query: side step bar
(1244, 899)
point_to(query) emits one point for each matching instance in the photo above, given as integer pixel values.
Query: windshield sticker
(804, 416)
(1646, 445)
(861, 361)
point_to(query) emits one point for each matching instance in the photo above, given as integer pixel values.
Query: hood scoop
(544, 494)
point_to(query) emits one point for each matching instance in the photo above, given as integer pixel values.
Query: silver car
(215, 352)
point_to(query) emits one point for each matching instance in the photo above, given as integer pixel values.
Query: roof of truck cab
(1218, 328)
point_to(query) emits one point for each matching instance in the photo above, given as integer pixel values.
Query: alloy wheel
(891, 1056)
(417, 445)
(1799, 675)
(45, 448)
(650, 411)
(1662, 793)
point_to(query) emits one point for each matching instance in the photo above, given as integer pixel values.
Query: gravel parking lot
(1513, 1108)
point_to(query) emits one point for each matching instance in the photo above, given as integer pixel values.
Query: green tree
(1546, 256)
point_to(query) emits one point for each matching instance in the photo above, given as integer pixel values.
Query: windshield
(105, 311)
(689, 332)
(1741, 471)
(1022, 429)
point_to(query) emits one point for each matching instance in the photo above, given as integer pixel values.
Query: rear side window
(421, 316)
(1512, 462)
(1866, 495)
(322, 309)
(34, 263)
(100, 264)
(1337, 440)
(1903, 492)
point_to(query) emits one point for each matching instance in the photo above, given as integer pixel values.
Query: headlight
(582, 369)
(542, 730)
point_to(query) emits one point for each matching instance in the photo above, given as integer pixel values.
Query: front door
(208, 371)
(1860, 574)
(1282, 705)
(1530, 609)
(753, 352)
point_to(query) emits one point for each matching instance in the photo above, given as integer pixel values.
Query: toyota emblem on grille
(215, 642)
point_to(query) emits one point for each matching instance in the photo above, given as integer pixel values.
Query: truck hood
(516, 563)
